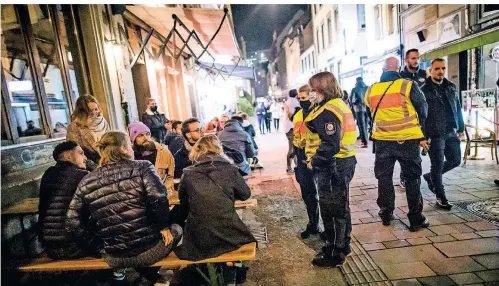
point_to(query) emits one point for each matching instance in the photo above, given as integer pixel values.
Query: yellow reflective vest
(396, 119)
(348, 129)
(300, 130)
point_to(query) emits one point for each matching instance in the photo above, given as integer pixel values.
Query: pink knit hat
(136, 128)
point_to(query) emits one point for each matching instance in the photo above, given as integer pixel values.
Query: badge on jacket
(422, 79)
(330, 129)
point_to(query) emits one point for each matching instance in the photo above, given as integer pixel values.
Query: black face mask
(305, 104)
(154, 108)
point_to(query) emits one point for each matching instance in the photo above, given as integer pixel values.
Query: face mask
(313, 96)
(305, 104)
(154, 108)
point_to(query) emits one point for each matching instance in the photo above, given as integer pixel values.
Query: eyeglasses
(199, 130)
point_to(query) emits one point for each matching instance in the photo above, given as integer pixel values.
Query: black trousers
(407, 154)
(304, 177)
(333, 186)
(362, 124)
(276, 124)
(267, 123)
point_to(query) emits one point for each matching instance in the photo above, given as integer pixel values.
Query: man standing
(32, 130)
(145, 148)
(444, 119)
(234, 137)
(180, 147)
(359, 107)
(174, 133)
(290, 108)
(57, 188)
(413, 72)
(155, 120)
(398, 135)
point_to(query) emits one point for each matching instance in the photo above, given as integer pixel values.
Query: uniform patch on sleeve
(330, 129)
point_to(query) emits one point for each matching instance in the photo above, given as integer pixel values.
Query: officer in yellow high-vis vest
(397, 134)
(331, 156)
(304, 175)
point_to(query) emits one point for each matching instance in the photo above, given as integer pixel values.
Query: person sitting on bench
(57, 188)
(127, 202)
(207, 192)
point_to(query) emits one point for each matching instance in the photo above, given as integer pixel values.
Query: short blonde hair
(206, 146)
(111, 147)
(304, 88)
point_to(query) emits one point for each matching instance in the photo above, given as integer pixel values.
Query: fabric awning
(463, 44)
(205, 22)
(230, 70)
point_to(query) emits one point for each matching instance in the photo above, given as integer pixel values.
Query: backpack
(235, 155)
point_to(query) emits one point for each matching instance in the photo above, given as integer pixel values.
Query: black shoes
(323, 260)
(443, 204)
(386, 218)
(496, 182)
(427, 178)
(346, 251)
(424, 224)
(306, 234)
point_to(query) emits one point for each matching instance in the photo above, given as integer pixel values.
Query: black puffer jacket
(57, 188)
(128, 203)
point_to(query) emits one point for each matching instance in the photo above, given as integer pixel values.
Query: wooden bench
(246, 252)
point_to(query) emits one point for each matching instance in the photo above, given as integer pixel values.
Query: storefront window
(18, 79)
(50, 65)
(490, 65)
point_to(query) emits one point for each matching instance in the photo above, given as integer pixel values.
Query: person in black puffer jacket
(128, 204)
(57, 188)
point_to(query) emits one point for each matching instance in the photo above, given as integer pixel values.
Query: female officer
(332, 159)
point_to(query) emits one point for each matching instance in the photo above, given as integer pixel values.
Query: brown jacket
(165, 165)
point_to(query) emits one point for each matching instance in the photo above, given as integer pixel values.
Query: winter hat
(136, 128)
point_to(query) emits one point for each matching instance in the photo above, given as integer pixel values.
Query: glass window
(18, 78)
(361, 16)
(377, 22)
(313, 60)
(323, 36)
(329, 30)
(318, 41)
(50, 64)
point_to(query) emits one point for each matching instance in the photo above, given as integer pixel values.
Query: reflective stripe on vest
(348, 128)
(396, 119)
(299, 130)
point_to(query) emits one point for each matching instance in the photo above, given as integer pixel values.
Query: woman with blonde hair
(126, 203)
(331, 156)
(207, 192)
(87, 126)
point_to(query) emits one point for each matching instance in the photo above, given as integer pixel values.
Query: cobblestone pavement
(459, 248)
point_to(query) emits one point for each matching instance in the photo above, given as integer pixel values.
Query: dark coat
(180, 155)
(207, 193)
(234, 137)
(419, 77)
(156, 122)
(169, 137)
(57, 187)
(436, 98)
(128, 204)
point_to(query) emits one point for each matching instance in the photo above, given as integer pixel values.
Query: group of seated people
(120, 210)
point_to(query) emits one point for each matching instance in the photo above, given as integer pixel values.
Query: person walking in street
(276, 114)
(332, 159)
(126, 202)
(57, 187)
(87, 127)
(304, 175)
(234, 137)
(290, 108)
(444, 119)
(145, 148)
(268, 118)
(261, 113)
(413, 72)
(181, 146)
(359, 107)
(397, 131)
(248, 127)
(156, 120)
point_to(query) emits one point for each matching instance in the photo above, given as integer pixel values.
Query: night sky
(256, 23)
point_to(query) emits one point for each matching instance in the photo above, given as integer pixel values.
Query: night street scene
(250, 144)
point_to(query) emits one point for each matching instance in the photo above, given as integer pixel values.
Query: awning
(229, 70)
(204, 22)
(463, 44)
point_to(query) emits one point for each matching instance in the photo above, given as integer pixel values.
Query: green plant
(244, 104)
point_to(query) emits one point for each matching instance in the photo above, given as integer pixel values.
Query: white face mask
(313, 96)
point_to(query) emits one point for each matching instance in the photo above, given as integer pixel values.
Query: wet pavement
(459, 248)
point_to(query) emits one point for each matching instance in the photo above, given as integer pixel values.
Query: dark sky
(256, 23)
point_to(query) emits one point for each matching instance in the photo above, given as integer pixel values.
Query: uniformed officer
(331, 156)
(304, 175)
(413, 72)
(399, 111)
